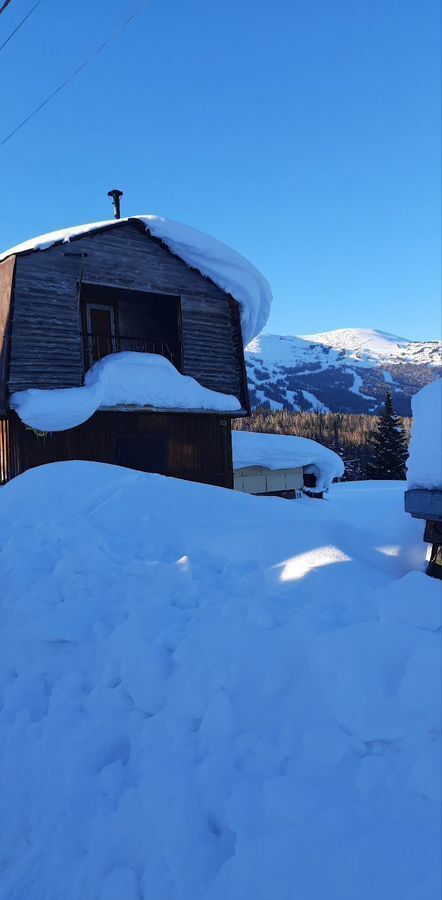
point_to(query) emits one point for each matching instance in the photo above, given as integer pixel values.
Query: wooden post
(433, 536)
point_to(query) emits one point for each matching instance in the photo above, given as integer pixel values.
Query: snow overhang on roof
(284, 451)
(215, 260)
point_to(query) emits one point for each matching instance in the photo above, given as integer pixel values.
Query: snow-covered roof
(284, 451)
(224, 266)
(121, 379)
(425, 460)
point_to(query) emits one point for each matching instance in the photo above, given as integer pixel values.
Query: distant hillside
(347, 434)
(346, 371)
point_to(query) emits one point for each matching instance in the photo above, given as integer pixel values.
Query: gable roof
(224, 266)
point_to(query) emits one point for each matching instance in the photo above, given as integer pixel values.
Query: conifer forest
(350, 435)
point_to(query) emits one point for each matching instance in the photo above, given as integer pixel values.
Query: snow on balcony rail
(120, 379)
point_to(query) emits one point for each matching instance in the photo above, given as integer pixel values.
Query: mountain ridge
(346, 370)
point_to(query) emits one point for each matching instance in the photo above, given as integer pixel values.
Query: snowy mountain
(348, 370)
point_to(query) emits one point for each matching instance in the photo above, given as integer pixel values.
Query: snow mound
(414, 600)
(223, 265)
(179, 721)
(425, 460)
(282, 451)
(121, 379)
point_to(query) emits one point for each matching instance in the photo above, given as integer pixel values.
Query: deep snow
(281, 451)
(424, 468)
(207, 695)
(120, 379)
(227, 268)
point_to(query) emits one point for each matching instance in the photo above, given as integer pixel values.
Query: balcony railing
(96, 346)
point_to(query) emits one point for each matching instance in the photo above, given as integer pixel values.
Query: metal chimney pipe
(116, 197)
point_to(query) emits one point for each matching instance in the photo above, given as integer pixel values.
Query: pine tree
(389, 449)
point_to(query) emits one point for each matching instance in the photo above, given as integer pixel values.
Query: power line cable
(76, 71)
(4, 5)
(17, 27)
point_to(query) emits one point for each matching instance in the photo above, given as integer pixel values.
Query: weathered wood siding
(6, 287)
(46, 346)
(199, 446)
(424, 504)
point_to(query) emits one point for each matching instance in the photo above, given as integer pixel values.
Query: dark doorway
(146, 452)
(101, 331)
(115, 319)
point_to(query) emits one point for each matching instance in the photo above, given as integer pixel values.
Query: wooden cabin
(69, 302)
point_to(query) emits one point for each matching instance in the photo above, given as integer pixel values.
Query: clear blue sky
(304, 134)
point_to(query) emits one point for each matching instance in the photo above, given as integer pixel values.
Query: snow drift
(207, 695)
(120, 379)
(424, 468)
(227, 268)
(282, 451)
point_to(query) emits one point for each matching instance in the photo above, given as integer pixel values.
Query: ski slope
(347, 370)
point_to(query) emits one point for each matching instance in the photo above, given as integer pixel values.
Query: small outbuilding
(283, 465)
(123, 342)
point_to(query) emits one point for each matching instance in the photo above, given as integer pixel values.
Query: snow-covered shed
(282, 464)
(123, 342)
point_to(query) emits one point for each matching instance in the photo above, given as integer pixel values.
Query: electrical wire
(17, 27)
(4, 5)
(76, 71)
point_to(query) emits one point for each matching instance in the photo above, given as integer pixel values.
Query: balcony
(96, 346)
